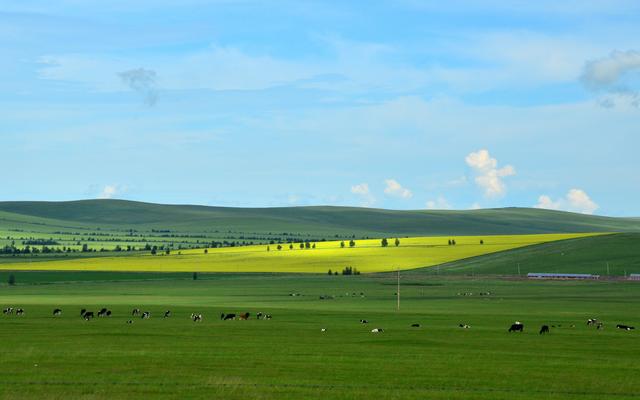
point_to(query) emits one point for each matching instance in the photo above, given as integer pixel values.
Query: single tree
(397, 242)
(195, 276)
(206, 251)
(384, 242)
(12, 280)
(279, 247)
(330, 273)
(352, 243)
(291, 247)
(342, 244)
(481, 241)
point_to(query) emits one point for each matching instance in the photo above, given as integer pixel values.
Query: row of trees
(345, 271)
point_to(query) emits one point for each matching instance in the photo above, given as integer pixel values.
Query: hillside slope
(588, 255)
(320, 220)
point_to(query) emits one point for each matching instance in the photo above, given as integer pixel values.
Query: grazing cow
(323, 330)
(544, 329)
(8, 310)
(415, 325)
(226, 317)
(146, 315)
(197, 318)
(19, 311)
(135, 312)
(84, 310)
(600, 326)
(129, 322)
(259, 315)
(464, 326)
(364, 321)
(592, 321)
(87, 315)
(377, 330)
(167, 314)
(102, 312)
(268, 316)
(619, 326)
(57, 312)
(517, 327)
(108, 313)
(244, 316)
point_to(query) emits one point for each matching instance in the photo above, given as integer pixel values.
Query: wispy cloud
(362, 190)
(395, 189)
(439, 203)
(615, 78)
(143, 81)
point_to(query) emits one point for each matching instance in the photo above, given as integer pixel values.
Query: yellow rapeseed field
(367, 256)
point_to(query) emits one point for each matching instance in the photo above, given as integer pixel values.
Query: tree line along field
(288, 357)
(366, 256)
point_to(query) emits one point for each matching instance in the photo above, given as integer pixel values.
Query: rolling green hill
(589, 255)
(321, 220)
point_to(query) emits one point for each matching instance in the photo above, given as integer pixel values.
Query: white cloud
(576, 200)
(394, 188)
(110, 191)
(362, 190)
(489, 176)
(612, 77)
(439, 204)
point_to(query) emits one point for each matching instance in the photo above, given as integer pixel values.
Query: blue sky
(394, 104)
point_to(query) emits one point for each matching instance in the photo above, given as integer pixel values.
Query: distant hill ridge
(324, 220)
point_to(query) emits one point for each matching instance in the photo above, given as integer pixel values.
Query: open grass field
(614, 255)
(289, 358)
(366, 256)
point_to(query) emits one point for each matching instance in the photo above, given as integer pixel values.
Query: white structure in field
(541, 275)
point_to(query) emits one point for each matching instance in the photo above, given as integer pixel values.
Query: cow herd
(104, 312)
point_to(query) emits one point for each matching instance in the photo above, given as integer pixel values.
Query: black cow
(88, 315)
(415, 325)
(84, 310)
(57, 312)
(619, 326)
(544, 329)
(516, 328)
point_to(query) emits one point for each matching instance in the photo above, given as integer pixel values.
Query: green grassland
(288, 357)
(614, 255)
(366, 256)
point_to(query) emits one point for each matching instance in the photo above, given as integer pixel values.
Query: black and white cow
(57, 312)
(516, 327)
(102, 312)
(464, 326)
(135, 312)
(19, 311)
(196, 317)
(167, 314)
(146, 315)
(88, 315)
(619, 326)
(377, 330)
(364, 321)
(226, 317)
(8, 310)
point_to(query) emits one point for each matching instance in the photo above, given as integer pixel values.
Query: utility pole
(398, 292)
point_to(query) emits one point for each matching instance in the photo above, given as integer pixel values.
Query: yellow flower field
(367, 256)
